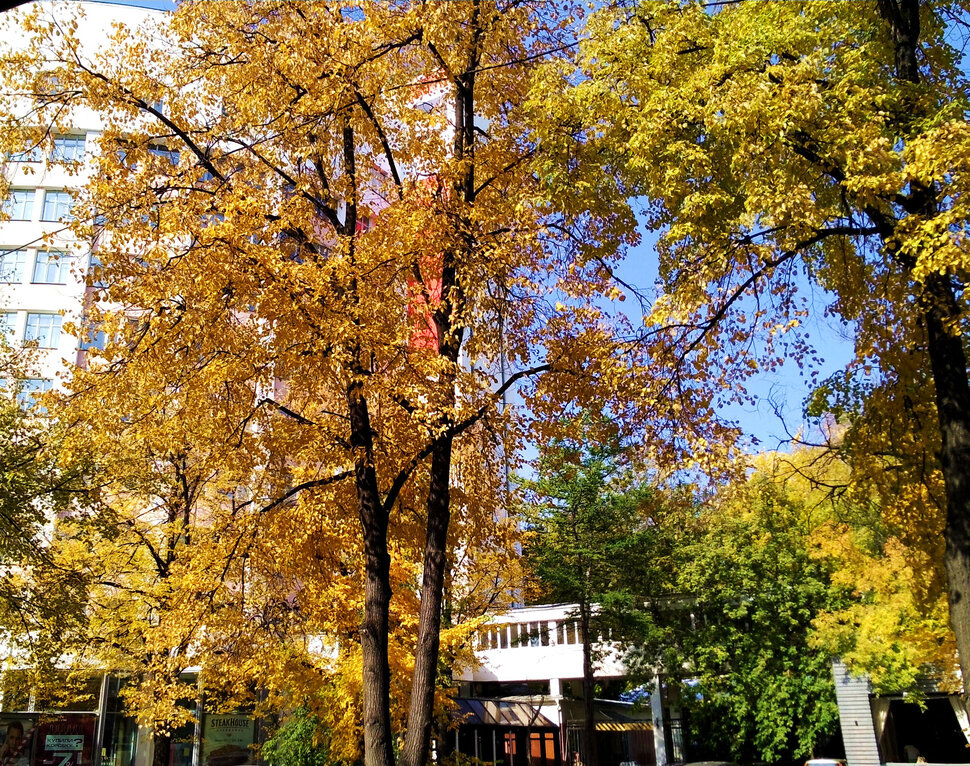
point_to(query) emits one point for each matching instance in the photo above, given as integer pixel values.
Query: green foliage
(589, 525)
(29, 478)
(301, 740)
(736, 626)
(721, 598)
(41, 601)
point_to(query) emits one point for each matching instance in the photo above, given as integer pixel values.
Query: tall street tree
(324, 264)
(588, 524)
(785, 146)
(742, 588)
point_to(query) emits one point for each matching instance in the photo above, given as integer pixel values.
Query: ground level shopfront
(91, 729)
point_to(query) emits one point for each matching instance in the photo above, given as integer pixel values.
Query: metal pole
(102, 716)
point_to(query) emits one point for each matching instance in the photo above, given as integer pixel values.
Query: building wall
(534, 644)
(855, 714)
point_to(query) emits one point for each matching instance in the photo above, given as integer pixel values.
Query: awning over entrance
(479, 712)
(609, 716)
(624, 726)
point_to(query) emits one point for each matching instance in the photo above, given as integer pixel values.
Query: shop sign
(66, 740)
(226, 740)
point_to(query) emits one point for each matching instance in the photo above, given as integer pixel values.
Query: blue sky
(780, 394)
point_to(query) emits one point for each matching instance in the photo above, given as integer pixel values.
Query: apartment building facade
(522, 702)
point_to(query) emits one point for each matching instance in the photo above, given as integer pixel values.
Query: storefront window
(17, 736)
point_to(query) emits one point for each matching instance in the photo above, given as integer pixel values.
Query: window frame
(26, 207)
(44, 336)
(33, 154)
(92, 337)
(57, 196)
(27, 393)
(8, 325)
(43, 261)
(19, 271)
(77, 144)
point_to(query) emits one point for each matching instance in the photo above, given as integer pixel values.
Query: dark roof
(484, 712)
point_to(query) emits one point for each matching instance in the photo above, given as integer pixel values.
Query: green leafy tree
(588, 522)
(301, 740)
(41, 602)
(736, 621)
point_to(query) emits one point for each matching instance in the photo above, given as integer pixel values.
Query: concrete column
(657, 714)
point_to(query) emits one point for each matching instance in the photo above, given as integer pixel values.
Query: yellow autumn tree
(323, 268)
(794, 157)
(887, 614)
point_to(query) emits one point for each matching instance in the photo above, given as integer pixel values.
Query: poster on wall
(64, 740)
(226, 740)
(16, 734)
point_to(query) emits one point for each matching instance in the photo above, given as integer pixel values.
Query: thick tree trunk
(377, 588)
(589, 688)
(949, 364)
(450, 333)
(420, 715)
(161, 749)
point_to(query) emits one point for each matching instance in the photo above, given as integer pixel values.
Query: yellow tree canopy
(323, 267)
(800, 158)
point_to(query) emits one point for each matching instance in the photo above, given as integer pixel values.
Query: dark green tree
(302, 739)
(40, 601)
(589, 520)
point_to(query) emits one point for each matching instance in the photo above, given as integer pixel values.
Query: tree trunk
(161, 749)
(949, 364)
(450, 333)
(417, 741)
(375, 626)
(589, 690)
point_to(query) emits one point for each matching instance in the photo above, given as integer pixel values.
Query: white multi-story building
(524, 696)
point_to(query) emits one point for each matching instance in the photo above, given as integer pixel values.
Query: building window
(20, 204)
(163, 152)
(12, 264)
(93, 337)
(33, 154)
(52, 268)
(57, 206)
(542, 747)
(510, 745)
(43, 329)
(537, 634)
(568, 632)
(30, 389)
(96, 273)
(68, 148)
(8, 324)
